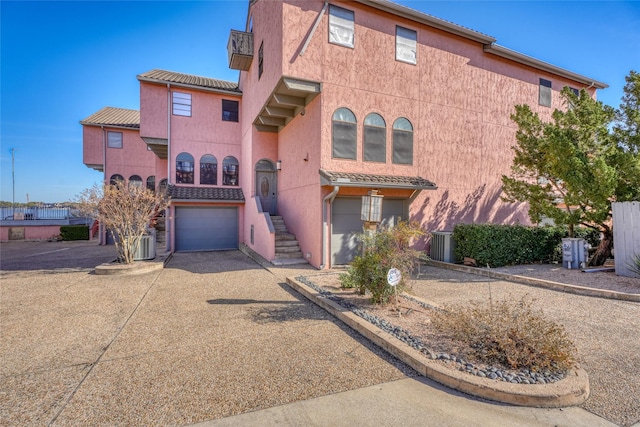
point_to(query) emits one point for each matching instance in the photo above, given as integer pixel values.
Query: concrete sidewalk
(213, 338)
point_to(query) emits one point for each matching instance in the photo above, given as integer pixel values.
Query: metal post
(13, 184)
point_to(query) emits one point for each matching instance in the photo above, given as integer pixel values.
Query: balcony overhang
(158, 145)
(99, 167)
(240, 50)
(289, 99)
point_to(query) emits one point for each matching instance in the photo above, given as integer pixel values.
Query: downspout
(313, 29)
(168, 219)
(101, 230)
(328, 199)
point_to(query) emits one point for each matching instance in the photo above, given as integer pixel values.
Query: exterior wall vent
(442, 246)
(240, 50)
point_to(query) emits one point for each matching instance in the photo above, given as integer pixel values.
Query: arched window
(208, 170)
(230, 171)
(135, 180)
(344, 134)
(184, 168)
(115, 178)
(163, 185)
(402, 142)
(151, 183)
(375, 138)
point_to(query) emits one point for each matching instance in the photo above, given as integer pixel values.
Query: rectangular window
(260, 60)
(545, 93)
(181, 104)
(406, 45)
(114, 139)
(229, 111)
(341, 26)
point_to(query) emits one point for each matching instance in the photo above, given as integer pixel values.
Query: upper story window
(163, 185)
(184, 168)
(114, 139)
(151, 183)
(135, 181)
(406, 45)
(208, 170)
(261, 60)
(344, 134)
(375, 138)
(115, 178)
(181, 104)
(341, 26)
(230, 171)
(402, 142)
(230, 110)
(544, 97)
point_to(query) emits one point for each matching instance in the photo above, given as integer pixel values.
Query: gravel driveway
(607, 332)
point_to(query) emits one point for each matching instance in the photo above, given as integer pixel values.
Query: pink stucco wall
(33, 232)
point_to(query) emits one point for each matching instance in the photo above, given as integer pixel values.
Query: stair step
(288, 250)
(286, 243)
(289, 255)
(285, 236)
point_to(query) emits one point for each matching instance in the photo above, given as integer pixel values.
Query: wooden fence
(626, 236)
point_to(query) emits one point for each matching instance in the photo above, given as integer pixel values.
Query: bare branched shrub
(509, 333)
(126, 210)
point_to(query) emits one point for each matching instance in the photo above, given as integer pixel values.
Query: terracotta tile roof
(206, 193)
(189, 80)
(348, 179)
(110, 116)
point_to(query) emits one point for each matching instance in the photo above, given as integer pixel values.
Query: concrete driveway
(213, 338)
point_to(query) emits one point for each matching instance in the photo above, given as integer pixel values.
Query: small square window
(341, 26)
(229, 111)
(114, 139)
(544, 97)
(181, 104)
(406, 45)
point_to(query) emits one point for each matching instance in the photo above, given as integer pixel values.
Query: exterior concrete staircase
(287, 248)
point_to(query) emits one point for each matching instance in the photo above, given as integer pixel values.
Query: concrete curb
(138, 267)
(540, 283)
(570, 391)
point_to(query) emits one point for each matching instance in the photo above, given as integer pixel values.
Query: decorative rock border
(569, 391)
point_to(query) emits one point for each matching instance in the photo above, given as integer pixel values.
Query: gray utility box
(574, 253)
(442, 246)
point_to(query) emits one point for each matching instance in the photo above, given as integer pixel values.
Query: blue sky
(62, 61)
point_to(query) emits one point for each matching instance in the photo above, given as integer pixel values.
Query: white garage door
(345, 222)
(206, 228)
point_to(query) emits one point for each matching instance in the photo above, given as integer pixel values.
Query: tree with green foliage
(572, 168)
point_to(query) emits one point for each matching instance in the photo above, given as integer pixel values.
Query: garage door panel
(206, 228)
(346, 223)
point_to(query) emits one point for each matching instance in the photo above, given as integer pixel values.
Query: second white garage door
(206, 228)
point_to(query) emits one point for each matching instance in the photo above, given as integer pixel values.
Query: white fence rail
(626, 236)
(34, 213)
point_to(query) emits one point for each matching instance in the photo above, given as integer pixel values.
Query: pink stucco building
(334, 99)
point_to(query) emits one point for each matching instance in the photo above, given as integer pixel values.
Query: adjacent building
(334, 100)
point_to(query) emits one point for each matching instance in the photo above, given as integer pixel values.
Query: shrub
(74, 232)
(382, 250)
(510, 333)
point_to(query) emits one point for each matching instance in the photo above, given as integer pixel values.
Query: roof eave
(216, 201)
(429, 20)
(188, 86)
(132, 127)
(541, 65)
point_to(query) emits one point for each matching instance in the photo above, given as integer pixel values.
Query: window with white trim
(402, 142)
(114, 139)
(375, 138)
(181, 104)
(341, 26)
(406, 45)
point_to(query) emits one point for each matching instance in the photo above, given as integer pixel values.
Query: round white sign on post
(394, 276)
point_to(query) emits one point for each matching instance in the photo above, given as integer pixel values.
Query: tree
(126, 210)
(572, 168)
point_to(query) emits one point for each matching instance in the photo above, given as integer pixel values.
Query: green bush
(500, 245)
(510, 333)
(74, 232)
(382, 250)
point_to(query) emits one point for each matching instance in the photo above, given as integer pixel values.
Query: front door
(266, 186)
